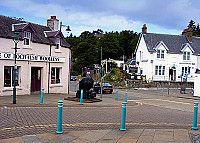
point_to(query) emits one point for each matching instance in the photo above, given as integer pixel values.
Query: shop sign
(31, 57)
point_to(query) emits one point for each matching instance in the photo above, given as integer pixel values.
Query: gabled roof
(39, 36)
(173, 42)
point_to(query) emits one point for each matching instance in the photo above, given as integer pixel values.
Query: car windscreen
(106, 84)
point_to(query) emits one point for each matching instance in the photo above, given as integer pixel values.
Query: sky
(160, 16)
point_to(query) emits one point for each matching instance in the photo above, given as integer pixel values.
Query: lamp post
(68, 28)
(16, 40)
(101, 74)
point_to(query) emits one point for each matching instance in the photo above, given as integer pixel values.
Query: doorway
(172, 73)
(35, 79)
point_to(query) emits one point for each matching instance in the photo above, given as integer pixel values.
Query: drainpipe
(49, 70)
(69, 69)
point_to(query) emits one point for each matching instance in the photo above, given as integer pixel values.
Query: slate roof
(38, 37)
(173, 42)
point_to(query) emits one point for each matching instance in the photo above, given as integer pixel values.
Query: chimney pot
(144, 29)
(53, 17)
(188, 33)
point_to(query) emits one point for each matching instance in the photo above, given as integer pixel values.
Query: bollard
(192, 91)
(59, 120)
(126, 97)
(41, 99)
(81, 99)
(116, 94)
(123, 118)
(194, 127)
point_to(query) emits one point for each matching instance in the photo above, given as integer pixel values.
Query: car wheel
(110, 92)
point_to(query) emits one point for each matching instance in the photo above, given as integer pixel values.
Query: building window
(186, 55)
(159, 70)
(27, 38)
(57, 43)
(9, 76)
(186, 70)
(160, 54)
(55, 75)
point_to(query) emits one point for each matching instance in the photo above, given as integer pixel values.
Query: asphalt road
(145, 109)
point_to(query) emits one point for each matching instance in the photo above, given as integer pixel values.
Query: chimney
(53, 23)
(144, 29)
(188, 33)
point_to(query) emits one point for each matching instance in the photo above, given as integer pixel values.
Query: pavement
(84, 135)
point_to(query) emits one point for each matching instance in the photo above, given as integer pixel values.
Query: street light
(16, 40)
(68, 28)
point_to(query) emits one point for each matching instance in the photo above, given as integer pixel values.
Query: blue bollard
(59, 120)
(116, 94)
(123, 118)
(41, 99)
(192, 91)
(194, 127)
(81, 99)
(126, 97)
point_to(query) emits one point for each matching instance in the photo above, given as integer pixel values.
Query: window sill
(58, 51)
(56, 85)
(11, 88)
(26, 47)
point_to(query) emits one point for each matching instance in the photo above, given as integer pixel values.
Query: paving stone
(109, 138)
(77, 133)
(181, 135)
(94, 135)
(145, 139)
(127, 140)
(12, 140)
(116, 132)
(47, 136)
(82, 141)
(30, 139)
(163, 137)
(62, 139)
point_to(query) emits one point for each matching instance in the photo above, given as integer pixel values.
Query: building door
(172, 73)
(35, 79)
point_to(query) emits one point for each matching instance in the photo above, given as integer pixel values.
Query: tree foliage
(195, 28)
(86, 49)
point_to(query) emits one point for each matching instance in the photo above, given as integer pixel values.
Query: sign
(144, 61)
(31, 57)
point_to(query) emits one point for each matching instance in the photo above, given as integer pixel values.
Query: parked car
(106, 88)
(73, 78)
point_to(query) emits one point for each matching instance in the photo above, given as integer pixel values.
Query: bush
(114, 76)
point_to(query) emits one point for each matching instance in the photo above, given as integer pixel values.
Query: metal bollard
(126, 97)
(116, 94)
(41, 99)
(123, 118)
(59, 120)
(192, 91)
(81, 99)
(194, 127)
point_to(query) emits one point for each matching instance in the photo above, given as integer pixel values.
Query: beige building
(43, 57)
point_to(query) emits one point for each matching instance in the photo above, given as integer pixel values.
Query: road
(145, 109)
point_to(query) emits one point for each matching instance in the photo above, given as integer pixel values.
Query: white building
(43, 57)
(162, 57)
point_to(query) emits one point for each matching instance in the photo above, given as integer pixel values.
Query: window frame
(56, 78)
(17, 77)
(159, 70)
(27, 38)
(186, 56)
(57, 47)
(160, 54)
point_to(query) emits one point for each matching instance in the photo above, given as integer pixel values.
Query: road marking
(90, 124)
(55, 107)
(161, 100)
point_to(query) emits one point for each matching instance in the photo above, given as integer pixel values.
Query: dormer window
(27, 38)
(186, 55)
(160, 54)
(57, 43)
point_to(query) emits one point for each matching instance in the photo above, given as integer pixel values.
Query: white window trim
(186, 56)
(19, 77)
(27, 35)
(162, 69)
(55, 75)
(160, 54)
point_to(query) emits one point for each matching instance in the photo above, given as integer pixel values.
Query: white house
(43, 57)
(162, 57)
